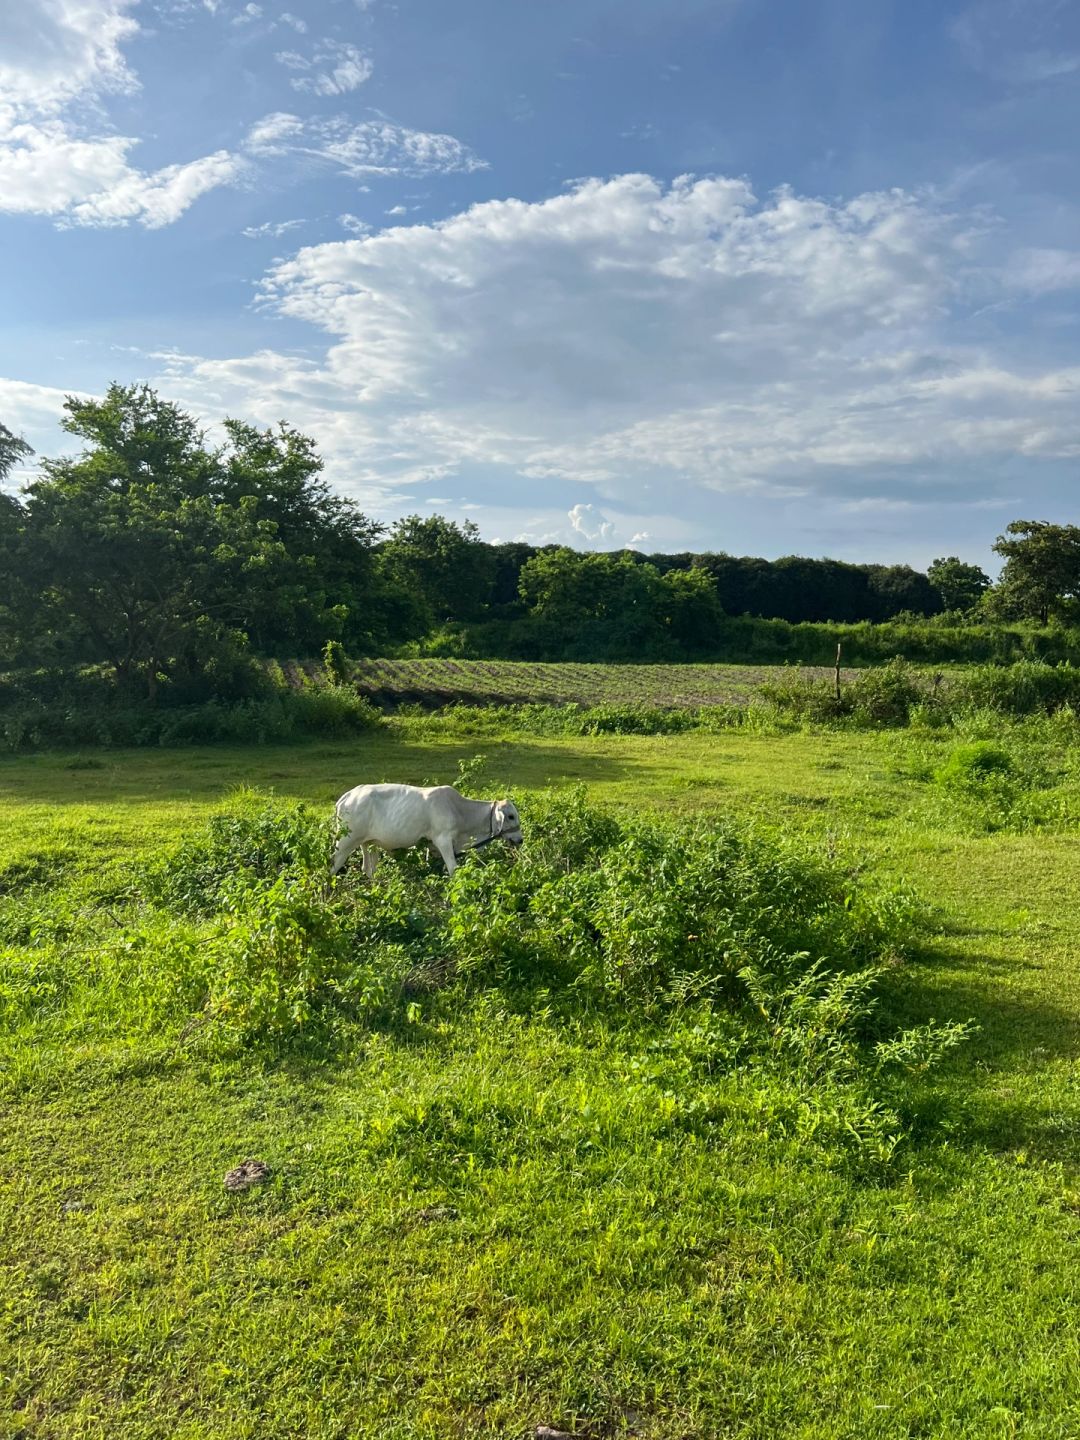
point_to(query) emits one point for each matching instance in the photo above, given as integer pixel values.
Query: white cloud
(32, 412)
(638, 338)
(47, 170)
(590, 523)
(269, 136)
(55, 51)
(1042, 270)
(379, 147)
(369, 148)
(353, 224)
(271, 228)
(300, 26)
(54, 56)
(335, 68)
(248, 14)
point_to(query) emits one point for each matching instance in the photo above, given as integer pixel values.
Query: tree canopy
(960, 586)
(1041, 575)
(173, 561)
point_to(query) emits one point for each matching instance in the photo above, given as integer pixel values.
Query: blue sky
(752, 275)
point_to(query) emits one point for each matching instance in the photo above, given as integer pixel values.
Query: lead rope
(479, 844)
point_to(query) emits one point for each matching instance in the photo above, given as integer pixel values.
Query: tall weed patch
(757, 954)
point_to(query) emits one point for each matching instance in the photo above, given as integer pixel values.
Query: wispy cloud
(1020, 43)
(69, 50)
(334, 68)
(271, 228)
(367, 148)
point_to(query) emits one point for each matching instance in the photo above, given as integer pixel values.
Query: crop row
(509, 681)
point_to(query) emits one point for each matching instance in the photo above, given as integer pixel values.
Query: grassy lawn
(485, 1215)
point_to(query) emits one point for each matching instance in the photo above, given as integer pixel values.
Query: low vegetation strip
(431, 682)
(295, 701)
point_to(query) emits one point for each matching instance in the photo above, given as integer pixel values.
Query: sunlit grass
(484, 1216)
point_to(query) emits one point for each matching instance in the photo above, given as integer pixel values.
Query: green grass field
(488, 1213)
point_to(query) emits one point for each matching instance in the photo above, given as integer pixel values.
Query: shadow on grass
(313, 771)
(988, 1094)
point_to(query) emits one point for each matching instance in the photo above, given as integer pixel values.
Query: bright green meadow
(673, 1125)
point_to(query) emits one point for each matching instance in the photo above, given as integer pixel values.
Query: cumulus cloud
(590, 523)
(46, 170)
(637, 337)
(54, 56)
(55, 51)
(335, 68)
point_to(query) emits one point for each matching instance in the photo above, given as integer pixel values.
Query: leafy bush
(715, 946)
(274, 719)
(336, 662)
(1026, 688)
(884, 695)
(252, 841)
(635, 720)
(972, 765)
(993, 786)
(592, 910)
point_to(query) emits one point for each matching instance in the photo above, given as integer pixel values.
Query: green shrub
(1025, 688)
(635, 720)
(884, 695)
(973, 765)
(272, 719)
(251, 841)
(750, 950)
(336, 663)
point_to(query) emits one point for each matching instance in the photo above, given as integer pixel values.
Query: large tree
(445, 566)
(13, 448)
(326, 586)
(961, 586)
(1041, 575)
(161, 556)
(617, 606)
(136, 562)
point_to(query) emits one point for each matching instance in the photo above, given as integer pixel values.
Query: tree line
(174, 562)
